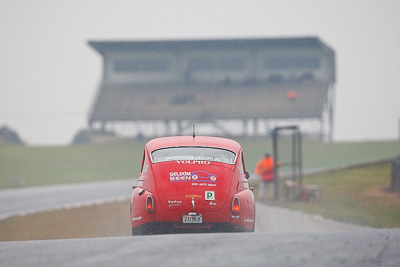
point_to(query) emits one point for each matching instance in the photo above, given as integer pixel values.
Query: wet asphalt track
(22, 201)
(351, 248)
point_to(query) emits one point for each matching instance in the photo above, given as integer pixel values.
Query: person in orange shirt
(265, 169)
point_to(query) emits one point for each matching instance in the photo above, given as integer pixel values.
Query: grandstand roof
(272, 43)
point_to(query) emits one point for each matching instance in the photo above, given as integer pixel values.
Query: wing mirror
(247, 175)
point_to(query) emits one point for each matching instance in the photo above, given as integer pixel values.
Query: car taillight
(149, 204)
(236, 205)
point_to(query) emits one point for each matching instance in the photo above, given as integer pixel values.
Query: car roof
(206, 141)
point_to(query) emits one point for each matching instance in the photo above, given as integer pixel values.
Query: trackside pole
(276, 158)
(296, 161)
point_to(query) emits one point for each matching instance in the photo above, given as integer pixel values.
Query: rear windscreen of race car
(193, 153)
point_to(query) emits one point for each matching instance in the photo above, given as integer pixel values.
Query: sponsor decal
(248, 220)
(194, 196)
(198, 177)
(213, 204)
(174, 203)
(203, 162)
(180, 176)
(136, 218)
(203, 184)
(210, 195)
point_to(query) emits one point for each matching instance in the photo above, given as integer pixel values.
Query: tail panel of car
(140, 212)
(244, 215)
(193, 187)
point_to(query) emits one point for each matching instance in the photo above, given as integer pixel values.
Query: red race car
(192, 184)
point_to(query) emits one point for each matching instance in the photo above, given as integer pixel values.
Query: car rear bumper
(154, 228)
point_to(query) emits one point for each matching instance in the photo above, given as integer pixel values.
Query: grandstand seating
(119, 102)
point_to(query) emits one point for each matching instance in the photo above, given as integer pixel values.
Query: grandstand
(201, 81)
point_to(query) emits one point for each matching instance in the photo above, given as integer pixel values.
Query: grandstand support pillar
(180, 127)
(102, 126)
(246, 127)
(330, 130)
(167, 128)
(327, 117)
(321, 128)
(331, 111)
(267, 128)
(255, 127)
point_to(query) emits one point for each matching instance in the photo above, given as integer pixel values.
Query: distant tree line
(9, 136)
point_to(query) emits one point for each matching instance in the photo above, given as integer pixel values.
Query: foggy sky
(49, 75)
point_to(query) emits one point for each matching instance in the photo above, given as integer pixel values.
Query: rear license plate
(192, 218)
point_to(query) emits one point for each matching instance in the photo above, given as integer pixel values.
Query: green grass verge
(318, 155)
(60, 165)
(357, 196)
